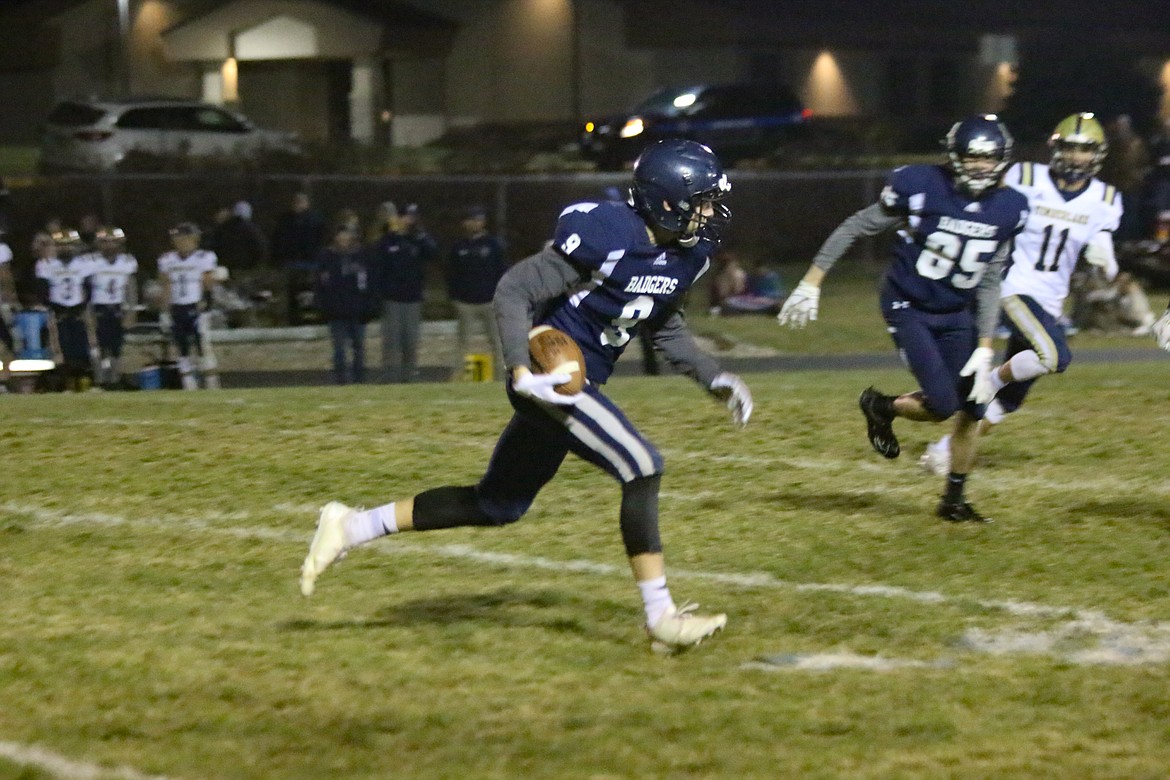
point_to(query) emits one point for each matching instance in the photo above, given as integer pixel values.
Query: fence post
(501, 207)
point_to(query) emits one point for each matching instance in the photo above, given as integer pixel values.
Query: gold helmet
(1082, 131)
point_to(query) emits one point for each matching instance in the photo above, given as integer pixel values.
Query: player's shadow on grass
(798, 499)
(550, 610)
(1127, 510)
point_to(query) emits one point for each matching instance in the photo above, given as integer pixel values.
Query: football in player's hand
(553, 352)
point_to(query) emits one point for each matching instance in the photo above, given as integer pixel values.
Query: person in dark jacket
(237, 241)
(399, 265)
(299, 234)
(344, 293)
(474, 268)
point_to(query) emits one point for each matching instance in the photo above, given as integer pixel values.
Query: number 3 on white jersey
(616, 335)
(937, 259)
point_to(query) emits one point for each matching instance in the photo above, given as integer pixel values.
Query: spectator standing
(297, 238)
(474, 268)
(398, 262)
(1155, 197)
(345, 296)
(1125, 168)
(237, 241)
(413, 229)
(385, 220)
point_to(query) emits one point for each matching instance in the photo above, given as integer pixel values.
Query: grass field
(150, 623)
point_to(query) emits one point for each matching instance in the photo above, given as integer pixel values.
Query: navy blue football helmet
(673, 179)
(972, 142)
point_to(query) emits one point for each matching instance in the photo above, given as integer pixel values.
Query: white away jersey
(185, 274)
(111, 277)
(66, 279)
(1057, 231)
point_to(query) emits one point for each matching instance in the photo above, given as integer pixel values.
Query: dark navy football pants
(73, 337)
(185, 328)
(935, 346)
(539, 436)
(110, 333)
(1031, 328)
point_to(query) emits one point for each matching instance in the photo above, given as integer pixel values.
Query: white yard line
(1084, 636)
(67, 768)
(998, 477)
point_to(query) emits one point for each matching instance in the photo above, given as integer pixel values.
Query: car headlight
(634, 126)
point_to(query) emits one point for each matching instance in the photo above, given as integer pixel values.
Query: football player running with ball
(955, 223)
(612, 269)
(1073, 215)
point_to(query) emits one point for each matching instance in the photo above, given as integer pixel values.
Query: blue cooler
(150, 378)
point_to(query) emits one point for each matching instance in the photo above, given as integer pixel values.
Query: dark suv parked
(735, 120)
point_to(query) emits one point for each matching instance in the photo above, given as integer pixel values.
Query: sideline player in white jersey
(114, 291)
(1073, 216)
(187, 274)
(66, 277)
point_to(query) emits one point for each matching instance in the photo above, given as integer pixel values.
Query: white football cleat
(680, 628)
(937, 459)
(327, 546)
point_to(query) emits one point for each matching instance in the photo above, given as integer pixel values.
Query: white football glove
(165, 322)
(730, 388)
(979, 364)
(1161, 329)
(800, 308)
(540, 387)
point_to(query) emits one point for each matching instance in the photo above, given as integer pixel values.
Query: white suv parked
(97, 135)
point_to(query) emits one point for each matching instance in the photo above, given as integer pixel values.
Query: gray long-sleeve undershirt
(548, 275)
(874, 220)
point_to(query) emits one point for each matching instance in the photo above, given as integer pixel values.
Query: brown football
(553, 352)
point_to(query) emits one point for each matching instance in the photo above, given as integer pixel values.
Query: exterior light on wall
(230, 74)
(1165, 110)
(826, 91)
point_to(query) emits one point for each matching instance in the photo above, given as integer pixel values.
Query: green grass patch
(149, 547)
(850, 320)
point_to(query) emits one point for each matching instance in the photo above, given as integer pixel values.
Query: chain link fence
(779, 218)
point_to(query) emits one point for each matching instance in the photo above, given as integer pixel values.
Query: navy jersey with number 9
(632, 280)
(949, 238)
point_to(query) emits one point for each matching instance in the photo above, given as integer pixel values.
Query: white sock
(1026, 365)
(656, 598)
(996, 381)
(362, 527)
(995, 412)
